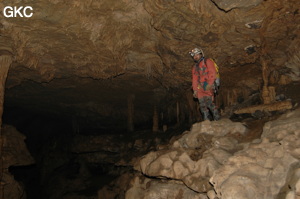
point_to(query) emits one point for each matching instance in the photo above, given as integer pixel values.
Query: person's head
(197, 54)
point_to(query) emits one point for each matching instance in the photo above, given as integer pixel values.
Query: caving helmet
(196, 51)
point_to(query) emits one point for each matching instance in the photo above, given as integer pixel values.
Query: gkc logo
(15, 11)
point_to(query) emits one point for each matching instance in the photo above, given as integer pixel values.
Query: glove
(195, 94)
(199, 86)
(209, 87)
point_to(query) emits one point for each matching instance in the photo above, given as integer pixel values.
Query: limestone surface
(194, 156)
(14, 153)
(218, 165)
(264, 168)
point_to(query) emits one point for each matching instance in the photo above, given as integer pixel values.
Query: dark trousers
(207, 106)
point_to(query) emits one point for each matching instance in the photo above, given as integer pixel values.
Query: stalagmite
(130, 120)
(194, 113)
(272, 93)
(155, 120)
(178, 112)
(5, 61)
(267, 96)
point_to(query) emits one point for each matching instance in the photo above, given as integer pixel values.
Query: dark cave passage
(65, 162)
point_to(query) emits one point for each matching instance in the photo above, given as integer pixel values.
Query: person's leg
(203, 108)
(212, 107)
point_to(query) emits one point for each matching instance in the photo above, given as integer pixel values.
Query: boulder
(262, 169)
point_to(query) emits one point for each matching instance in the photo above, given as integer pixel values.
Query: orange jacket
(203, 75)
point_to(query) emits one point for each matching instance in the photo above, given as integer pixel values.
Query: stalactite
(5, 62)
(155, 120)
(162, 119)
(229, 96)
(178, 112)
(130, 119)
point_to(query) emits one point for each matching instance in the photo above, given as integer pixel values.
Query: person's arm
(194, 80)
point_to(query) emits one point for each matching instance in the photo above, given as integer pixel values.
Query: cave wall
(145, 43)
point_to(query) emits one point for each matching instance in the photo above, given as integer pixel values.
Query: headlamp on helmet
(196, 51)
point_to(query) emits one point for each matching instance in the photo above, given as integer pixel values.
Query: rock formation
(14, 153)
(216, 164)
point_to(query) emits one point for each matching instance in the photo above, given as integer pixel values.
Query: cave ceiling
(91, 55)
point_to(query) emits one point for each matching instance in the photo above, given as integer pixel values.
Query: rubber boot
(212, 107)
(205, 115)
(216, 114)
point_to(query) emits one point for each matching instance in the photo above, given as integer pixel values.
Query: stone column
(268, 92)
(265, 73)
(178, 112)
(130, 116)
(194, 113)
(155, 120)
(5, 62)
